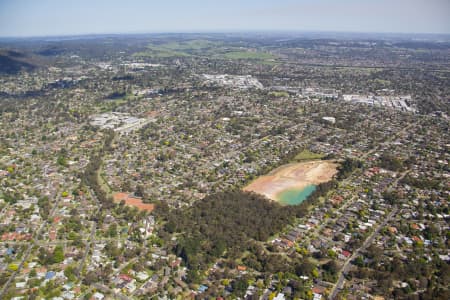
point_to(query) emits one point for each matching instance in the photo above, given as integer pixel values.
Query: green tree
(69, 272)
(33, 273)
(62, 161)
(13, 267)
(58, 254)
(112, 230)
(240, 285)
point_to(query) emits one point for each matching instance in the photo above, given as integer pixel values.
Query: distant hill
(12, 62)
(51, 51)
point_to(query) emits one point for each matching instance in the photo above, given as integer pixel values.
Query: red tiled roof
(241, 268)
(416, 239)
(346, 253)
(415, 226)
(14, 236)
(125, 277)
(318, 290)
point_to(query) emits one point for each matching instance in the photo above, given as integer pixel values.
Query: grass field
(204, 48)
(307, 155)
(160, 53)
(178, 49)
(106, 105)
(278, 94)
(192, 45)
(247, 55)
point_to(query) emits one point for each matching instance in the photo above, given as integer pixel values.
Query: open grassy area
(107, 105)
(202, 48)
(308, 155)
(191, 45)
(180, 49)
(242, 54)
(160, 53)
(278, 94)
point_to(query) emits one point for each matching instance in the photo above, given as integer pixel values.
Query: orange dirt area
(293, 176)
(136, 202)
(152, 113)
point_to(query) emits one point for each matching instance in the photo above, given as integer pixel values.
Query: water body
(296, 196)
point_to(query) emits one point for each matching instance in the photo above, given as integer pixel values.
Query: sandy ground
(298, 175)
(136, 202)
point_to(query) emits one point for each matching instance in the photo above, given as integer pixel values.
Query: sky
(19, 18)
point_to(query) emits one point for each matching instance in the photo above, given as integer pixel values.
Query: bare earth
(132, 201)
(292, 176)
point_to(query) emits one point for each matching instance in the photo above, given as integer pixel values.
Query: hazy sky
(66, 17)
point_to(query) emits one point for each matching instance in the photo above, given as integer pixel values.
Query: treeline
(48, 257)
(422, 182)
(116, 95)
(347, 167)
(90, 177)
(390, 162)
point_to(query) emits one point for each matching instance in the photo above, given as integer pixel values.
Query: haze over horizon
(26, 18)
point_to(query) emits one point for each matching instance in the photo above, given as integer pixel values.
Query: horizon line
(234, 31)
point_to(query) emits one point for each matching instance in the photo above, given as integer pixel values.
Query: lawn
(159, 52)
(242, 54)
(107, 105)
(278, 94)
(308, 155)
(191, 45)
(178, 49)
(203, 48)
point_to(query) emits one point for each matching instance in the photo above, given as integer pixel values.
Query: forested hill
(12, 62)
